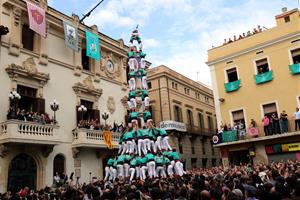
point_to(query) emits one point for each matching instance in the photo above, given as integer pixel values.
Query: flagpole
(89, 13)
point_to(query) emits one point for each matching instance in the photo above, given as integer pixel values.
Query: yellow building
(255, 76)
(186, 109)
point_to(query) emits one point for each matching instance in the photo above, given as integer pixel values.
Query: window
(201, 120)
(206, 99)
(151, 110)
(180, 145)
(194, 162)
(27, 37)
(187, 91)
(192, 145)
(190, 117)
(232, 75)
(287, 19)
(296, 55)
(58, 164)
(177, 114)
(149, 85)
(238, 116)
(210, 123)
(85, 60)
(214, 162)
(203, 146)
(29, 102)
(269, 109)
(90, 114)
(197, 95)
(174, 85)
(204, 162)
(262, 66)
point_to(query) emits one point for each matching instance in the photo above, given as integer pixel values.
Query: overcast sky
(178, 33)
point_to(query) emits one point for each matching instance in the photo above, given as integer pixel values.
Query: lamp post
(105, 116)
(14, 98)
(82, 109)
(54, 105)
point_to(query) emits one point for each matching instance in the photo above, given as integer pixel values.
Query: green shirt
(131, 74)
(128, 158)
(167, 154)
(142, 54)
(115, 163)
(133, 115)
(144, 160)
(146, 116)
(175, 155)
(145, 94)
(142, 133)
(166, 161)
(132, 94)
(143, 72)
(138, 160)
(162, 132)
(133, 162)
(159, 159)
(110, 162)
(129, 135)
(130, 54)
(150, 134)
(121, 159)
(150, 156)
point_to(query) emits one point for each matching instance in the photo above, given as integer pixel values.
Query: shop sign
(172, 125)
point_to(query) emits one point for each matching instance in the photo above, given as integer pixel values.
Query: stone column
(260, 154)
(77, 54)
(15, 32)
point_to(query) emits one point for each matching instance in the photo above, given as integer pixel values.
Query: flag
(71, 36)
(92, 45)
(37, 18)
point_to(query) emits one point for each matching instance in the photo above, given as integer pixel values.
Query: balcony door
(58, 164)
(22, 172)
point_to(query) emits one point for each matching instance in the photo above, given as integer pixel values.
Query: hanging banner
(37, 18)
(71, 36)
(107, 135)
(173, 125)
(92, 45)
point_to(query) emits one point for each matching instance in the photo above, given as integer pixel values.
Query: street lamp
(54, 105)
(105, 116)
(82, 109)
(14, 98)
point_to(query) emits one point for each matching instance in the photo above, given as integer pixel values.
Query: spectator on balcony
(296, 116)
(283, 122)
(21, 115)
(275, 123)
(266, 123)
(260, 70)
(253, 124)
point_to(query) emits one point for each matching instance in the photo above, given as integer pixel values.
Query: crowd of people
(274, 181)
(94, 124)
(243, 35)
(23, 115)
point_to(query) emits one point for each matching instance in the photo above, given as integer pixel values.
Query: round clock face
(110, 66)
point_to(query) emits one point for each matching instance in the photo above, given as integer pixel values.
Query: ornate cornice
(87, 87)
(28, 70)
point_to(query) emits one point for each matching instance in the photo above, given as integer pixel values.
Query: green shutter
(232, 86)
(229, 136)
(295, 68)
(264, 77)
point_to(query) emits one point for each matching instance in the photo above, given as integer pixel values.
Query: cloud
(151, 43)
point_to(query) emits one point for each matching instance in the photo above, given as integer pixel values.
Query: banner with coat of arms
(37, 18)
(92, 45)
(71, 36)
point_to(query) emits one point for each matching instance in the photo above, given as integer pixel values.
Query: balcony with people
(27, 121)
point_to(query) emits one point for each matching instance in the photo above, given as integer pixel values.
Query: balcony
(92, 138)
(295, 68)
(15, 131)
(199, 131)
(264, 77)
(232, 86)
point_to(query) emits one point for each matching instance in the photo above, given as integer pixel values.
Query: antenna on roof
(90, 12)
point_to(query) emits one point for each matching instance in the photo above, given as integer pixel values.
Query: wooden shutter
(238, 115)
(270, 108)
(39, 105)
(95, 114)
(295, 52)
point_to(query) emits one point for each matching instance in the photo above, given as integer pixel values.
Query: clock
(110, 66)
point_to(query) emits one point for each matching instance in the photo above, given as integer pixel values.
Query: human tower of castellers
(142, 152)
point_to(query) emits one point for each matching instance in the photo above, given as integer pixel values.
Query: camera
(3, 30)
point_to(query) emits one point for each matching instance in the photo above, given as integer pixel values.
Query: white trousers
(133, 64)
(132, 84)
(143, 172)
(120, 172)
(130, 146)
(124, 147)
(148, 145)
(165, 143)
(151, 169)
(146, 103)
(130, 105)
(144, 83)
(137, 171)
(120, 146)
(179, 168)
(143, 63)
(131, 172)
(107, 173)
(126, 169)
(170, 170)
(160, 171)
(158, 143)
(113, 173)
(142, 147)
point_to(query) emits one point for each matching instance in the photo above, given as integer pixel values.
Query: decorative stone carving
(75, 152)
(47, 150)
(28, 70)
(3, 150)
(111, 105)
(117, 62)
(17, 16)
(88, 88)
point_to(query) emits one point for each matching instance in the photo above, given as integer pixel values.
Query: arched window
(58, 164)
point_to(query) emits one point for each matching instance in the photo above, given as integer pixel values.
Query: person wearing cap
(143, 167)
(120, 167)
(159, 163)
(132, 164)
(108, 172)
(127, 165)
(131, 81)
(151, 165)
